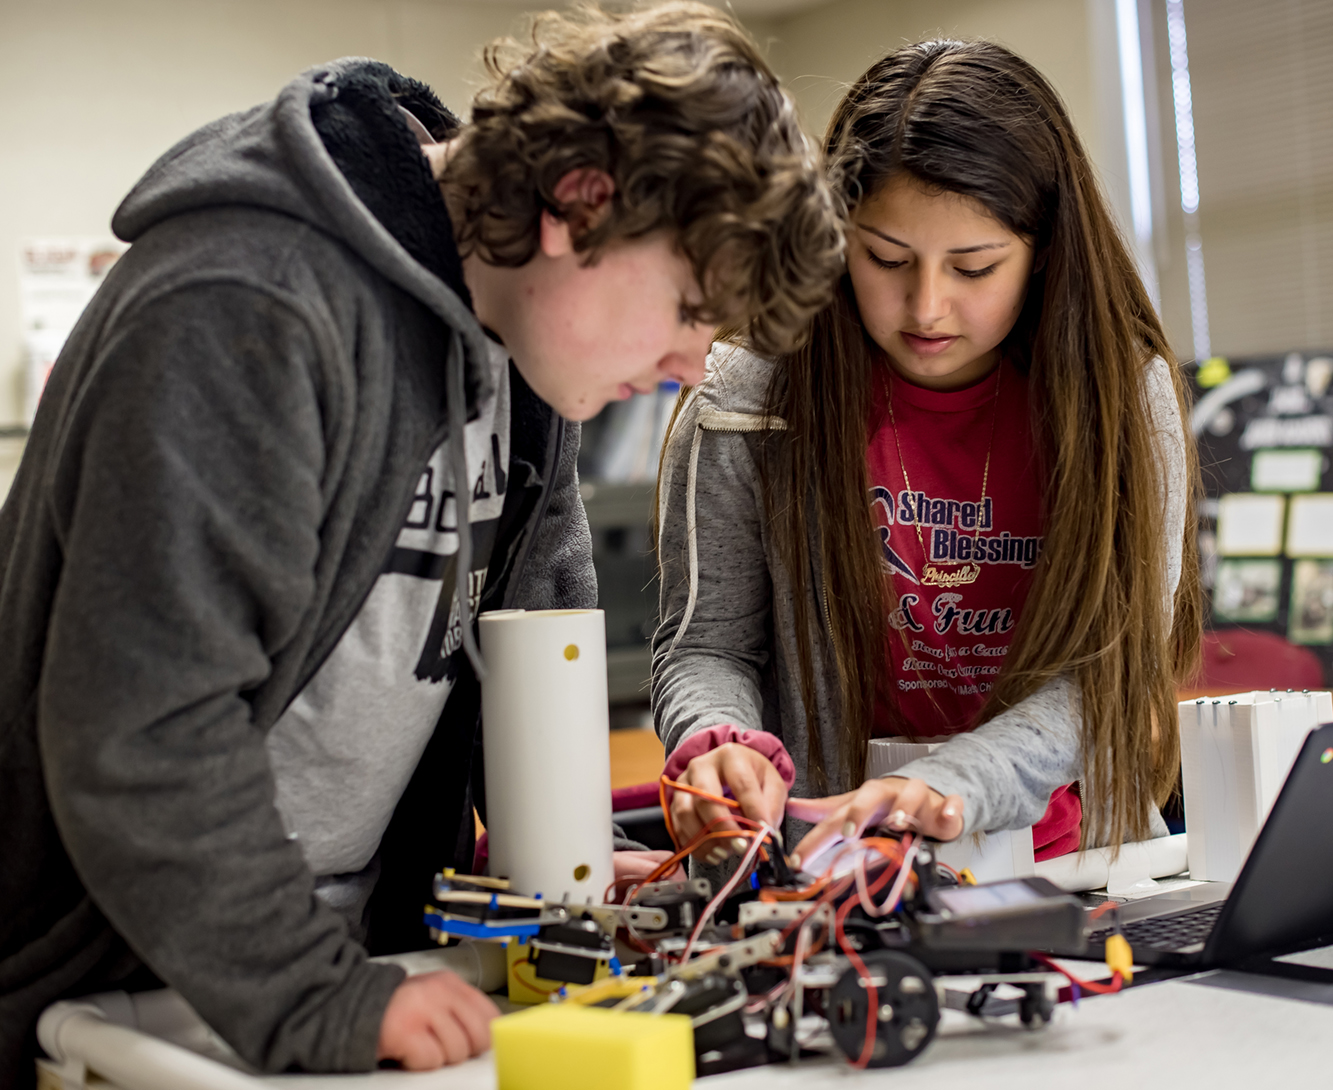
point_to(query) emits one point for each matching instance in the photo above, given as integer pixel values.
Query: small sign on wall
(57, 278)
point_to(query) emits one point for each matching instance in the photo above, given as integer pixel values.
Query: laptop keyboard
(1168, 932)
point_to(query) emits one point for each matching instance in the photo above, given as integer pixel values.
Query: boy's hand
(901, 804)
(754, 783)
(435, 1019)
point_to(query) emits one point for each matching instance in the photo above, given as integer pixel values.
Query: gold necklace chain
(931, 575)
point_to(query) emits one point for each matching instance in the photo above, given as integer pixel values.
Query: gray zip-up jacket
(218, 471)
(725, 651)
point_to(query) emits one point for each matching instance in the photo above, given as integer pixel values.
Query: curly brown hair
(676, 104)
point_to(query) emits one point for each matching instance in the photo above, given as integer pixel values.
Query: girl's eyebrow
(960, 250)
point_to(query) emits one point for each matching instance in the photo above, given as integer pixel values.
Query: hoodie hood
(334, 151)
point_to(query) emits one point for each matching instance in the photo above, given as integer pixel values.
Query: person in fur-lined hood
(238, 694)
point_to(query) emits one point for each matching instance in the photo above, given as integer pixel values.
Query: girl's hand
(754, 783)
(638, 865)
(900, 804)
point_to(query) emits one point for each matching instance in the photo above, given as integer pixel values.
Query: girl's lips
(927, 346)
(625, 391)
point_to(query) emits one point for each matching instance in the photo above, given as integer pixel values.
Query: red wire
(872, 993)
(1095, 987)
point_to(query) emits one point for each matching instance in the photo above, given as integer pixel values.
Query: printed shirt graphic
(948, 641)
(343, 753)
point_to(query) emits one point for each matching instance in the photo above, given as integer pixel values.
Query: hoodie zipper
(548, 487)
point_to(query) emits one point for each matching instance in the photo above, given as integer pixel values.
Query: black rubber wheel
(906, 1016)
(1035, 1009)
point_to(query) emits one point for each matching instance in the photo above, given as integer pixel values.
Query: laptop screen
(1283, 896)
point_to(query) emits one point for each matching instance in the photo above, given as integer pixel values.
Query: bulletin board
(1264, 426)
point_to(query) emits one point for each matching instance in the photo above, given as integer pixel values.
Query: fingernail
(794, 861)
(738, 845)
(716, 856)
(849, 830)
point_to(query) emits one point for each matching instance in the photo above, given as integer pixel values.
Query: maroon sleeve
(1057, 832)
(710, 738)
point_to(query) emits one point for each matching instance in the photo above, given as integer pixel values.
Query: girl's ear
(1039, 262)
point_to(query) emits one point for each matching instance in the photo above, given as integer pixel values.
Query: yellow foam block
(563, 1046)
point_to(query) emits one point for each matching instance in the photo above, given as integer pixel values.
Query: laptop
(1282, 900)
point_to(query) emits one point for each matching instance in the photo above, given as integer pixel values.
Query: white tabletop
(1178, 1034)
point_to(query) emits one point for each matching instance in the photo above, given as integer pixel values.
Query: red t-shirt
(950, 633)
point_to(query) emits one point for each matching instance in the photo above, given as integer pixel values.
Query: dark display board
(1265, 431)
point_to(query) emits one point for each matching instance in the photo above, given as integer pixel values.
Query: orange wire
(513, 971)
(678, 786)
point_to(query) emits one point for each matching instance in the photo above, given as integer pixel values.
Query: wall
(92, 91)
(819, 52)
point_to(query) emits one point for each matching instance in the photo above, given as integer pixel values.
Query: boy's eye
(977, 274)
(693, 314)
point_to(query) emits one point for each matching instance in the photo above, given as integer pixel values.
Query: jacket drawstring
(710, 420)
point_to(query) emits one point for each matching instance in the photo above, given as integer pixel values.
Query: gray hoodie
(725, 651)
(218, 472)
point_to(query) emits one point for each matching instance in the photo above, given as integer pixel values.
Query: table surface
(1197, 1031)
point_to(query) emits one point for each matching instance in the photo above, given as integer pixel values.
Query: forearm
(1006, 769)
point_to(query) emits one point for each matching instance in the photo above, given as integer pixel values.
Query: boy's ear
(584, 196)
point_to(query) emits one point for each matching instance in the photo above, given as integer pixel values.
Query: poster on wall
(57, 277)
(1264, 426)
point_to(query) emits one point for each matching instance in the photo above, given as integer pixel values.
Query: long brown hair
(974, 119)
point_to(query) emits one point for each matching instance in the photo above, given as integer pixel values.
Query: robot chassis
(769, 982)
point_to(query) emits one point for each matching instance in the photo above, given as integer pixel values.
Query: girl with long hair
(962, 512)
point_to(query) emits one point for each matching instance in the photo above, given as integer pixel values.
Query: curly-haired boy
(238, 692)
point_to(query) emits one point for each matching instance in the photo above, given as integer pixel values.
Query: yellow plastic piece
(612, 987)
(525, 986)
(967, 877)
(1119, 957)
(1213, 372)
(563, 1046)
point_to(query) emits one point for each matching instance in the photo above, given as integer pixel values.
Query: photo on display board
(1250, 524)
(1247, 590)
(1310, 526)
(1310, 619)
(1286, 470)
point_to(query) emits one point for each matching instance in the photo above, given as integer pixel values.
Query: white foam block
(1236, 752)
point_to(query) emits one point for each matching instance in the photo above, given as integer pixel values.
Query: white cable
(747, 860)
(900, 883)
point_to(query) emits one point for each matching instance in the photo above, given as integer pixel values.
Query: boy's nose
(687, 364)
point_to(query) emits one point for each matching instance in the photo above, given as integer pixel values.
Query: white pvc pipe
(79, 1032)
(548, 763)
